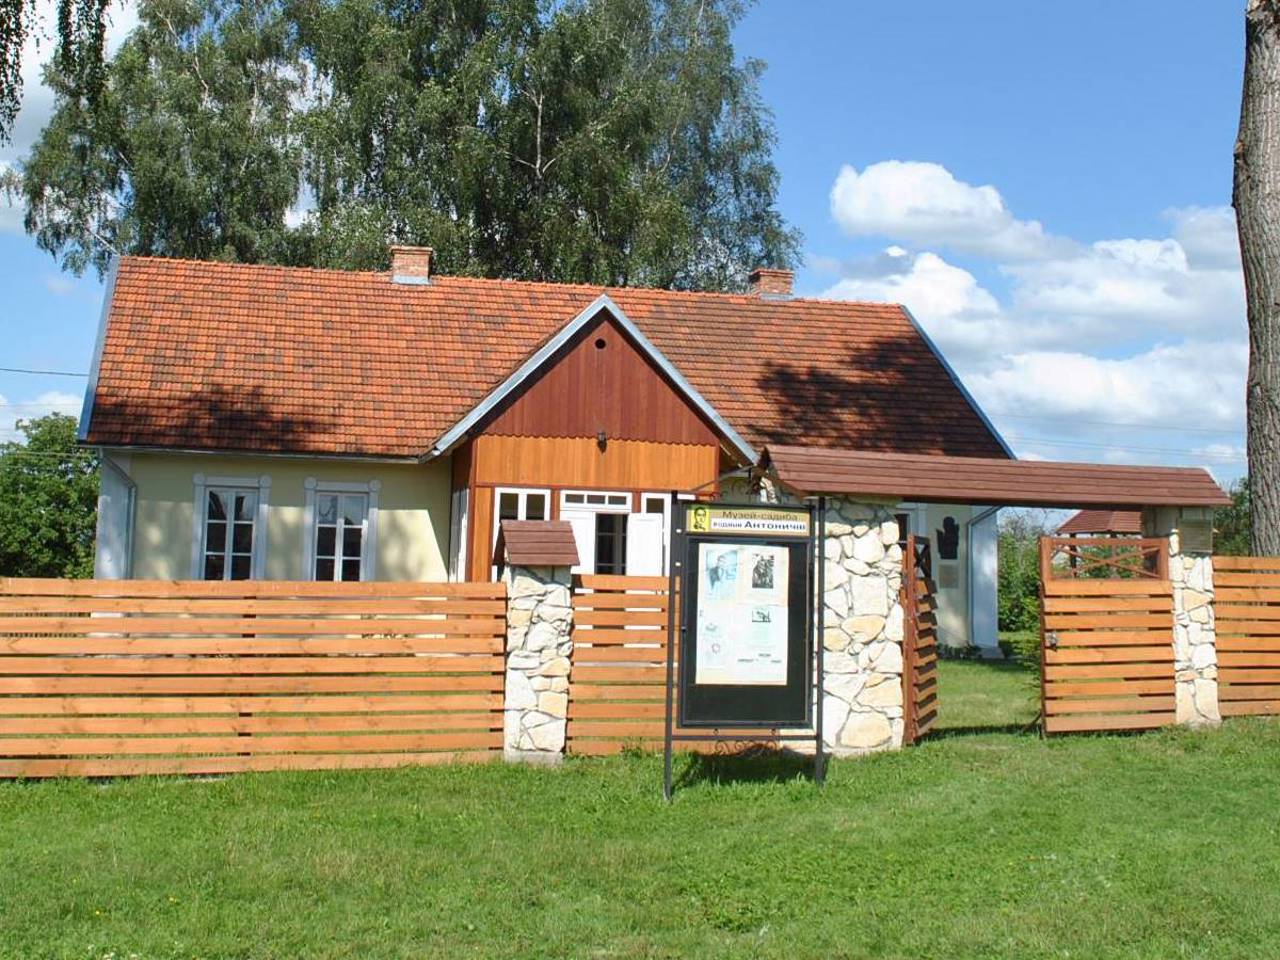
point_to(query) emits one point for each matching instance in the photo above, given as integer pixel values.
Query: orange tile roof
(200, 355)
(1103, 521)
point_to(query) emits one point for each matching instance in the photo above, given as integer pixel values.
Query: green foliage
(81, 31)
(1232, 525)
(48, 501)
(1029, 849)
(1019, 570)
(600, 141)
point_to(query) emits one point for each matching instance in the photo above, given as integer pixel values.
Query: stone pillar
(862, 685)
(1195, 650)
(539, 643)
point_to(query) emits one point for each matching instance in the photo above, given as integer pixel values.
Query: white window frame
(459, 532)
(522, 499)
(605, 507)
(369, 543)
(203, 484)
(645, 496)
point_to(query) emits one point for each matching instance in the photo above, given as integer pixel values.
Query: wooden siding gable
(600, 387)
(601, 381)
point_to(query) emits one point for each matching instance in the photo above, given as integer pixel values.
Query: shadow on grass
(753, 765)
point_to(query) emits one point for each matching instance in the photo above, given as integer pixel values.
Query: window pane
(353, 510)
(242, 538)
(654, 505)
(351, 540)
(509, 506)
(213, 567)
(215, 537)
(245, 505)
(240, 568)
(324, 569)
(325, 540)
(327, 509)
(217, 509)
(535, 507)
(573, 498)
(350, 569)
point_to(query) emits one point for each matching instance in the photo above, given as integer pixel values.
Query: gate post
(539, 642)
(1195, 650)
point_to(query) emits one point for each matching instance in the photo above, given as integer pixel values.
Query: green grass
(986, 694)
(985, 844)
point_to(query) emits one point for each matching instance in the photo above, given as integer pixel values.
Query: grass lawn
(971, 845)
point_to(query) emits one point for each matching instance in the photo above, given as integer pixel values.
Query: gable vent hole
(600, 344)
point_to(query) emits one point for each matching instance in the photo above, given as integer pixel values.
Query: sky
(1049, 194)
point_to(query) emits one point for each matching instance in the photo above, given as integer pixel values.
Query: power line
(1051, 442)
(42, 373)
(1118, 423)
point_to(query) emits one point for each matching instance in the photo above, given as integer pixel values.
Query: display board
(746, 638)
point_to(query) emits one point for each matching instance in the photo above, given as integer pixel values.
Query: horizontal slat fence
(617, 687)
(1247, 605)
(920, 642)
(1108, 654)
(122, 677)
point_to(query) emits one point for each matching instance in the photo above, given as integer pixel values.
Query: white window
(458, 528)
(518, 503)
(341, 530)
(229, 528)
(611, 538)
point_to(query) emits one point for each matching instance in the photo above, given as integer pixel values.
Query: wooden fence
(920, 642)
(618, 684)
(1107, 644)
(104, 678)
(1247, 603)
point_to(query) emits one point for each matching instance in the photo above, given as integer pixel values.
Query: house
(282, 423)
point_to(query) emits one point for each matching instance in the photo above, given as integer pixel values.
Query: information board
(746, 648)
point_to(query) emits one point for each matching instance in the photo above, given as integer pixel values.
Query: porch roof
(1022, 483)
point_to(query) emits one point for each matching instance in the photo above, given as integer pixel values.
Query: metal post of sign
(674, 550)
(819, 553)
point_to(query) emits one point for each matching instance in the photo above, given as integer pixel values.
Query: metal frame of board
(676, 634)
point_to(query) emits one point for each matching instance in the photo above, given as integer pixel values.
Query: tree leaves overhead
(81, 38)
(603, 141)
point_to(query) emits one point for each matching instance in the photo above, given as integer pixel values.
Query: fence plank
(115, 678)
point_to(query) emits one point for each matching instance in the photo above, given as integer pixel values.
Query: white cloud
(1128, 350)
(51, 401)
(925, 204)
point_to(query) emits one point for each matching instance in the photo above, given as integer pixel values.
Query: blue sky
(1049, 194)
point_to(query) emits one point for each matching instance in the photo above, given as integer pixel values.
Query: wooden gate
(121, 677)
(618, 682)
(919, 641)
(1106, 634)
(1247, 605)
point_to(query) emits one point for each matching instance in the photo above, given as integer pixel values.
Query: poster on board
(742, 617)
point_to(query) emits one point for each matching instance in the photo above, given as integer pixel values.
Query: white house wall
(412, 538)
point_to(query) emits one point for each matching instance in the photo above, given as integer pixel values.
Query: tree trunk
(1257, 203)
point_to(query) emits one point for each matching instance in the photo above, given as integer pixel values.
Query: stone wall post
(539, 644)
(1195, 650)
(862, 685)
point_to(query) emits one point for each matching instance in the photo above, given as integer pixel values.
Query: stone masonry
(539, 643)
(862, 684)
(1195, 651)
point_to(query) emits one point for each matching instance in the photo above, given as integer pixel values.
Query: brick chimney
(411, 265)
(767, 283)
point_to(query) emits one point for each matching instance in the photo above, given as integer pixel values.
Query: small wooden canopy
(1020, 483)
(1125, 522)
(536, 543)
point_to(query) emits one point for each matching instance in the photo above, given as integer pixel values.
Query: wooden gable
(600, 381)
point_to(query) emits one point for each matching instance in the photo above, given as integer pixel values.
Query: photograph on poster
(742, 615)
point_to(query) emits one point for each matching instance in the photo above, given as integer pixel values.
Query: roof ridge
(567, 286)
